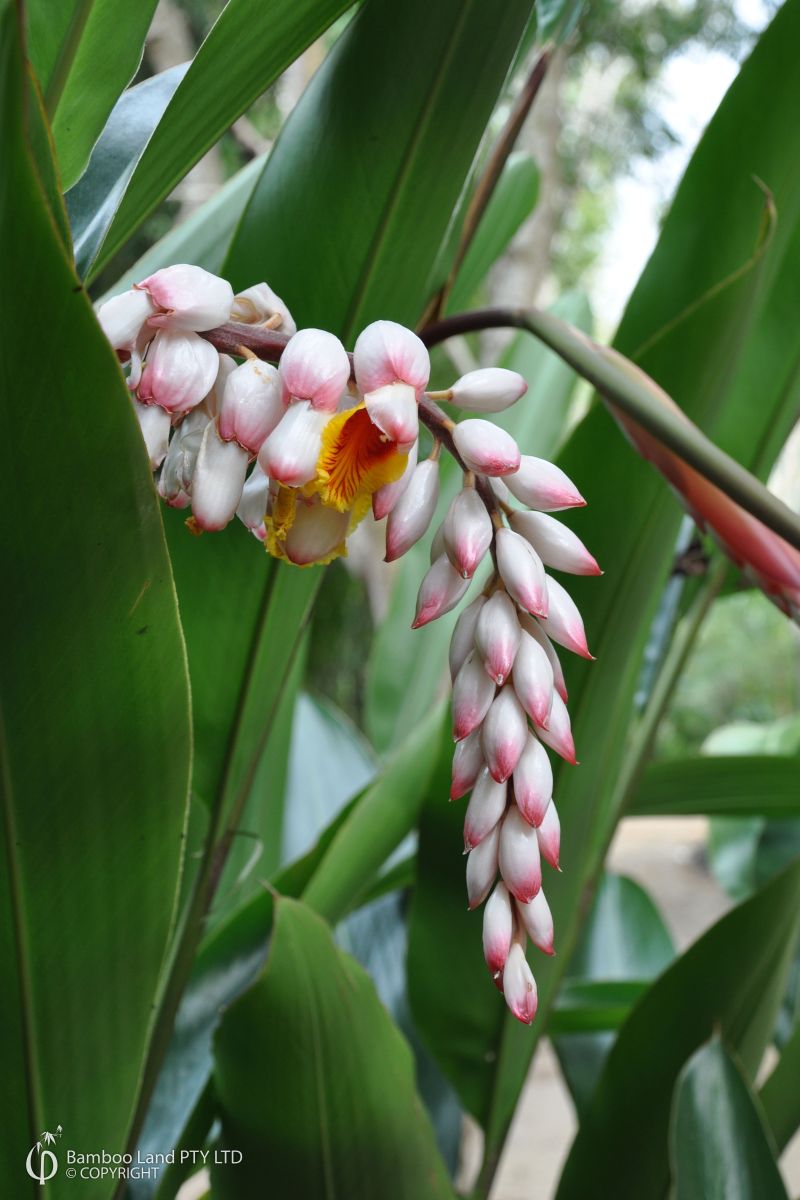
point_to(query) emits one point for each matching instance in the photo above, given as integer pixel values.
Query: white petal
(393, 409)
(468, 762)
(505, 730)
(175, 480)
(251, 405)
(533, 679)
(498, 928)
(490, 389)
(122, 317)
(482, 868)
(486, 806)
(218, 480)
(563, 622)
(314, 367)
(548, 833)
(290, 453)
(473, 692)
(386, 353)
(180, 370)
(189, 297)
(317, 531)
(155, 425)
(558, 734)
(533, 781)
(537, 920)
(253, 504)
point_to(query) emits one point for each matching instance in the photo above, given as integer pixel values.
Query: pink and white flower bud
(440, 591)
(486, 806)
(438, 547)
(468, 762)
(490, 390)
(498, 928)
(175, 480)
(557, 546)
(317, 531)
(413, 512)
(532, 626)
(387, 353)
(497, 635)
(462, 643)
(253, 504)
(519, 986)
(189, 298)
(533, 679)
(290, 453)
(520, 864)
(467, 532)
(155, 425)
(384, 500)
(533, 781)
(473, 693)
(549, 834)
(558, 734)
(537, 921)
(393, 410)
(562, 622)
(259, 305)
(541, 484)
(251, 405)
(122, 317)
(213, 399)
(505, 730)
(522, 571)
(218, 480)
(486, 448)
(314, 367)
(482, 868)
(179, 372)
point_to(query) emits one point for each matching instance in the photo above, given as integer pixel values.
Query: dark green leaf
(95, 705)
(244, 53)
(731, 981)
(315, 1084)
(780, 1094)
(763, 785)
(596, 1006)
(720, 1149)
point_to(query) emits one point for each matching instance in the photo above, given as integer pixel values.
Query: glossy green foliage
(720, 1147)
(94, 693)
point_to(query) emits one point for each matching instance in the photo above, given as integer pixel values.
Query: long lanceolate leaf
(95, 707)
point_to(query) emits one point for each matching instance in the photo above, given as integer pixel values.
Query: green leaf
(731, 981)
(556, 19)
(512, 201)
(98, 58)
(780, 1094)
(384, 175)
(624, 939)
(94, 692)
(762, 785)
(315, 1084)
(246, 51)
(595, 1006)
(710, 330)
(720, 1149)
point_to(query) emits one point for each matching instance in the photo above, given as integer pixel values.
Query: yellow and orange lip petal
(356, 460)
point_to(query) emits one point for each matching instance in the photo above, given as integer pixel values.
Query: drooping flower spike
(303, 452)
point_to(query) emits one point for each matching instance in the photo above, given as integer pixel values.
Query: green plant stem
(625, 388)
(66, 56)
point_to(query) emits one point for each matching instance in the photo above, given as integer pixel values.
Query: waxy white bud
(440, 591)
(467, 532)
(486, 448)
(468, 762)
(259, 305)
(557, 546)
(540, 484)
(384, 500)
(498, 928)
(393, 410)
(218, 480)
(253, 504)
(520, 864)
(486, 806)
(155, 425)
(522, 571)
(490, 390)
(505, 730)
(482, 868)
(462, 643)
(473, 693)
(558, 734)
(537, 921)
(413, 512)
(179, 372)
(290, 453)
(532, 626)
(497, 635)
(562, 622)
(175, 480)
(188, 297)
(122, 317)
(314, 367)
(387, 353)
(533, 679)
(519, 986)
(251, 405)
(548, 832)
(533, 781)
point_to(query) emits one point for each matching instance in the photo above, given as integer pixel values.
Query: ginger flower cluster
(302, 452)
